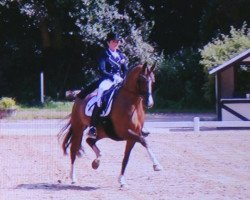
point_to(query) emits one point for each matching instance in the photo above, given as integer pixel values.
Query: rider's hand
(117, 79)
(123, 61)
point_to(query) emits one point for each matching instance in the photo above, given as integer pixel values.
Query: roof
(244, 55)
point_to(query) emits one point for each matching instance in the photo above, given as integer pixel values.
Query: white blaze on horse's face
(145, 82)
(150, 102)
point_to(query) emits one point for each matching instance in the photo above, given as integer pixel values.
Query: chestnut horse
(125, 120)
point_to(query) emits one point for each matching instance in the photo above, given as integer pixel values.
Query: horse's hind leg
(76, 142)
(96, 162)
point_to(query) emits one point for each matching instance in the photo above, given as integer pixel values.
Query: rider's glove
(117, 79)
(123, 61)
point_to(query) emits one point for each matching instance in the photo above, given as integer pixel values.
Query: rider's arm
(103, 68)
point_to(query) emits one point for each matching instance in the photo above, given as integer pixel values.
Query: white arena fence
(52, 127)
(196, 125)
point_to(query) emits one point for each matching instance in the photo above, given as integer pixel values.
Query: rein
(140, 94)
(131, 92)
(141, 84)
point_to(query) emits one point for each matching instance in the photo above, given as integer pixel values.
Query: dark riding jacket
(109, 65)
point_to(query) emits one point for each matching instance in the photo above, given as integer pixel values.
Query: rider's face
(113, 44)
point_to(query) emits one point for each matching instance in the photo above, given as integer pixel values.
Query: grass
(60, 110)
(50, 110)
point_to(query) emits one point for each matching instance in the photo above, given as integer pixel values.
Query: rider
(113, 65)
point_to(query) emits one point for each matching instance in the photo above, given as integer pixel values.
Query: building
(230, 104)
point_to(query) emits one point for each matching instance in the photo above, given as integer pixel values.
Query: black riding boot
(94, 120)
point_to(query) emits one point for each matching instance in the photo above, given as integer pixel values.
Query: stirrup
(92, 132)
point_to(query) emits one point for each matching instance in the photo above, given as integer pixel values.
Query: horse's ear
(144, 67)
(153, 67)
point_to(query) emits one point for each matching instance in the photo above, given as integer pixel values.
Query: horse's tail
(66, 133)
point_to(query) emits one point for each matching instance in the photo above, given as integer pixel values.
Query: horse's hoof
(157, 167)
(122, 182)
(96, 163)
(122, 186)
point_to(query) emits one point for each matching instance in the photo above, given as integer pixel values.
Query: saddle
(107, 100)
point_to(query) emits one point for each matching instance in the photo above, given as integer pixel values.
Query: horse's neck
(131, 96)
(129, 87)
(132, 103)
(130, 82)
(129, 91)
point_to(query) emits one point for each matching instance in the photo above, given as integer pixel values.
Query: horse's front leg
(156, 165)
(96, 162)
(129, 146)
(142, 140)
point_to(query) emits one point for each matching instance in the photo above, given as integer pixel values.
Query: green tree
(225, 47)
(180, 78)
(96, 18)
(221, 49)
(65, 36)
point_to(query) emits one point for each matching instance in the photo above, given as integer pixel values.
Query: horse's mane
(134, 68)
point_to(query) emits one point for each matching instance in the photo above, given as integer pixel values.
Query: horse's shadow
(54, 187)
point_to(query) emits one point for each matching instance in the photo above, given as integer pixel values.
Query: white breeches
(104, 85)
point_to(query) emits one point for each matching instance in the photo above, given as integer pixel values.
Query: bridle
(141, 92)
(143, 86)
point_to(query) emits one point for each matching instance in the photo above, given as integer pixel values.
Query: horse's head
(144, 84)
(139, 82)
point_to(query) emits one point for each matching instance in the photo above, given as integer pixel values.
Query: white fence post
(196, 124)
(42, 87)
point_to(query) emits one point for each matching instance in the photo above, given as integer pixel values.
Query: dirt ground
(205, 165)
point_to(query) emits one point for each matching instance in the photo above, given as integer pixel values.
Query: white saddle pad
(91, 104)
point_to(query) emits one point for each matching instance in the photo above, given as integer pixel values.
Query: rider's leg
(105, 85)
(94, 121)
(99, 96)
(96, 112)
